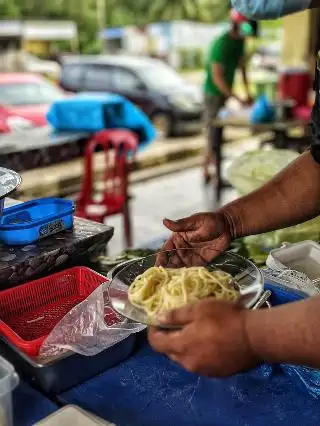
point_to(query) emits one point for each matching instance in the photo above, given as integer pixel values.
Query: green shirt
(226, 51)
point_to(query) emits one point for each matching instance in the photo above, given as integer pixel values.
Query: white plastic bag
(89, 328)
(252, 169)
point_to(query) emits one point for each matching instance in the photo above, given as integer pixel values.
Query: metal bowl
(247, 277)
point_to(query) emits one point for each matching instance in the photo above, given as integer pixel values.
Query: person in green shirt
(226, 55)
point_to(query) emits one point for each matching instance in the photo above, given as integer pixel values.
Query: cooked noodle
(159, 289)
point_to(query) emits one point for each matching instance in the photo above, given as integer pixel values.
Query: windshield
(29, 93)
(160, 77)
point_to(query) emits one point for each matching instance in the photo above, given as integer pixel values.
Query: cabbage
(251, 170)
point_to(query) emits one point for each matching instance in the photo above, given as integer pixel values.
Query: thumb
(181, 225)
(177, 317)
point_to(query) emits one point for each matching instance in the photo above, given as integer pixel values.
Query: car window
(29, 93)
(160, 76)
(97, 78)
(124, 80)
(72, 75)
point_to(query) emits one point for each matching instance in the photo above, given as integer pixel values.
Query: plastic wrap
(89, 328)
(251, 170)
(263, 243)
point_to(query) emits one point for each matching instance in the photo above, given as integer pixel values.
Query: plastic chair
(118, 146)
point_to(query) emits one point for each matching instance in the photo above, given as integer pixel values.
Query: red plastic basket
(28, 313)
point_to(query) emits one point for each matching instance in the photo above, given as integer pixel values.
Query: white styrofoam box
(72, 415)
(302, 257)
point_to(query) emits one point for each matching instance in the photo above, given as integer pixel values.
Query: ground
(173, 196)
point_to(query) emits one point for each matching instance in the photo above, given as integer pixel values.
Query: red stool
(117, 146)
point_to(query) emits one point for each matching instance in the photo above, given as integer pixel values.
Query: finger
(166, 342)
(209, 253)
(191, 257)
(182, 225)
(162, 259)
(178, 317)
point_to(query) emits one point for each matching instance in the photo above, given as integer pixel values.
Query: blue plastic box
(29, 222)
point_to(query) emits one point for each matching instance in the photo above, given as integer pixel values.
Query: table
(150, 390)
(30, 406)
(280, 139)
(39, 147)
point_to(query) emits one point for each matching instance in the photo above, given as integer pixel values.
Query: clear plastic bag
(89, 328)
(305, 231)
(252, 169)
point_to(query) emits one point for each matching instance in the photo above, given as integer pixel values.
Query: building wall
(296, 43)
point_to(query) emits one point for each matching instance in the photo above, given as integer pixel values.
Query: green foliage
(191, 59)
(92, 15)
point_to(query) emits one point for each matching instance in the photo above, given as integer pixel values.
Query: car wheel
(163, 124)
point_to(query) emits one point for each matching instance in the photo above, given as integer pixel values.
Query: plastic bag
(89, 328)
(262, 111)
(251, 170)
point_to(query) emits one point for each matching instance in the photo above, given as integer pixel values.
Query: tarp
(91, 112)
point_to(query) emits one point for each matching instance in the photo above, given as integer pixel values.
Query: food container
(8, 381)
(303, 257)
(58, 374)
(296, 266)
(28, 313)
(34, 220)
(245, 277)
(72, 415)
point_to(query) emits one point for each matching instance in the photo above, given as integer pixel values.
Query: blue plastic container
(29, 222)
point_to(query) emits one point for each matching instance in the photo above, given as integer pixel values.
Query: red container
(29, 313)
(295, 85)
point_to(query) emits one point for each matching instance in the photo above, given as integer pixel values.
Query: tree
(195, 10)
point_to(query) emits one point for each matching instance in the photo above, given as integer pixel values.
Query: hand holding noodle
(211, 338)
(159, 289)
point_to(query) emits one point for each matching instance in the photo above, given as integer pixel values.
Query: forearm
(287, 334)
(291, 197)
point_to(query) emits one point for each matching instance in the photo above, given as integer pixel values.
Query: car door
(72, 77)
(126, 83)
(97, 78)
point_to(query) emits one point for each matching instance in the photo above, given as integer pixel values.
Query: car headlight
(182, 102)
(19, 123)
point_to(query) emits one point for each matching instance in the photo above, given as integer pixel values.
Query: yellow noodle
(159, 289)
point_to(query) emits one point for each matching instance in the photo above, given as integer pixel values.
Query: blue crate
(29, 222)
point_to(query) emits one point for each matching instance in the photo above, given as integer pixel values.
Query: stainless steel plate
(247, 277)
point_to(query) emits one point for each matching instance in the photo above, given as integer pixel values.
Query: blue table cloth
(150, 390)
(30, 406)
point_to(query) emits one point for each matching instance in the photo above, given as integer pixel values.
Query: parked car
(24, 100)
(174, 106)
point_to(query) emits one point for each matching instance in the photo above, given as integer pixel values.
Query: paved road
(173, 196)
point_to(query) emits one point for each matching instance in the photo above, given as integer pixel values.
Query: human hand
(207, 234)
(245, 102)
(211, 341)
(248, 101)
